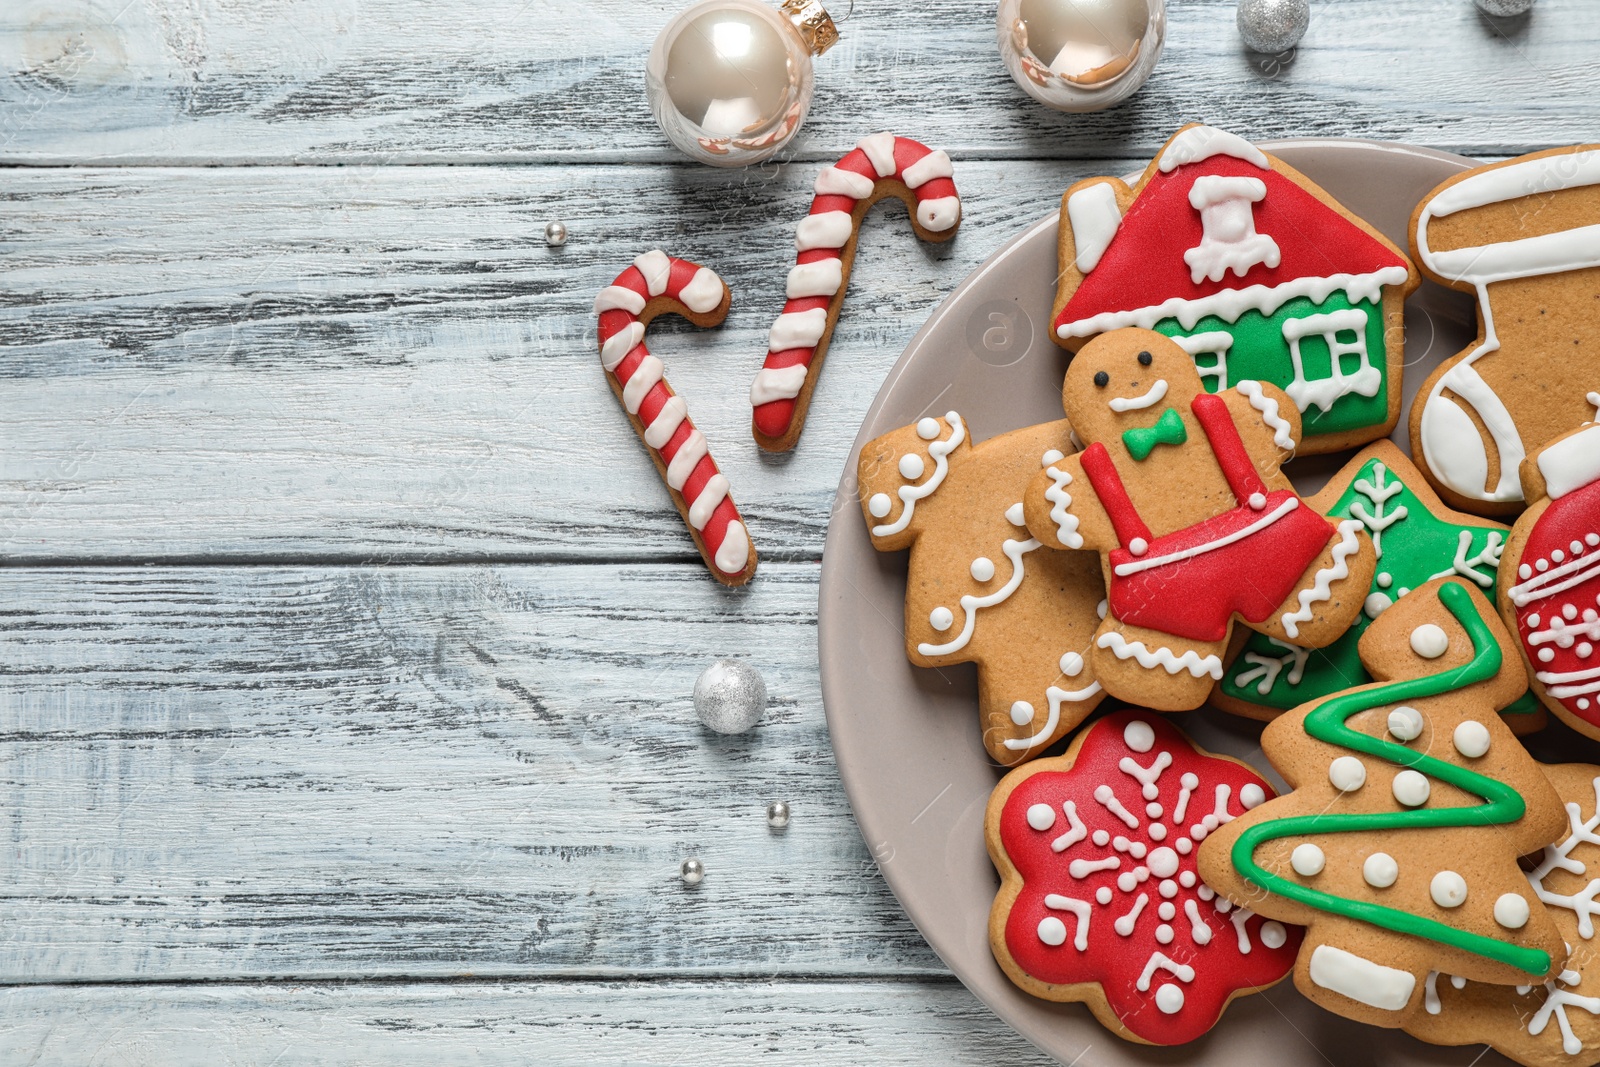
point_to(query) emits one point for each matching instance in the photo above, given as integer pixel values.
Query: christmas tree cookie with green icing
(1418, 538)
(1412, 802)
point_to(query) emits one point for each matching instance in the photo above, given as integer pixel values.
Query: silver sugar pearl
(1504, 8)
(692, 871)
(1273, 26)
(555, 233)
(778, 815)
(729, 696)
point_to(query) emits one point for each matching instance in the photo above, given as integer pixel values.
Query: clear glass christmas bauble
(1081, 55)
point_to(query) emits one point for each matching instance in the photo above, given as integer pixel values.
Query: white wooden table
(348, 635)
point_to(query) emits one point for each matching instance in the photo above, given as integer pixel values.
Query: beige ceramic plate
(906, 738)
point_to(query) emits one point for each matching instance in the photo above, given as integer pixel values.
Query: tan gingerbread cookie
(1181, 493)
(1412, 801)
(979, 589)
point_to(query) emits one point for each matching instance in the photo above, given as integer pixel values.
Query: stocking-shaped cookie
(1412, 801)
(979, 589)
(1180, 491)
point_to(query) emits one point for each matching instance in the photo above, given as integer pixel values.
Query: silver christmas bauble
(730, 81)
(1080, 55)
(1504, 8)
(778, 815)
(729, 696)
(1272, 26)
(692, 871)
(555, 233)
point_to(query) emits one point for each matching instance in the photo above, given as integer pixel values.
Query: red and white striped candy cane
(659, 284)
(881, 165)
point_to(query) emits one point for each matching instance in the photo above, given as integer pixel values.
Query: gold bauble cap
(814, 23)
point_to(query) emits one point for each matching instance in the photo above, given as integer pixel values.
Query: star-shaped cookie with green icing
(1418, 538)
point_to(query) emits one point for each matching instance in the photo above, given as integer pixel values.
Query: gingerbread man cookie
(1180, 491)
(1099, 899)
(1412, 802)
(1524, 237)
(979, 589)
(1550, 582)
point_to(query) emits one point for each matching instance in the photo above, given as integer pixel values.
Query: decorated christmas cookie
(1554, 1023)
(1412, 801)
(1524, 237)
(1180, 491)
(1259, 274)
(1417, 539)
(979, 589)
(880, 166)
(1100, 901)
(1550, 582)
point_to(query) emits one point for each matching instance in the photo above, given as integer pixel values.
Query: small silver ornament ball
(778, 815)
(1273, 26)
(1080, 55)
(555, 233)
(692, 871)
(1504, 8)
(729, 696)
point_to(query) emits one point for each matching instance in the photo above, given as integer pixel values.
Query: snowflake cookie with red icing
(1100, 901)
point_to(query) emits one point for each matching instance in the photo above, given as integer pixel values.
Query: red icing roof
(1144, 265)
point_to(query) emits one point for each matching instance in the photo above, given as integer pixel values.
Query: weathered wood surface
(389, 363)
(718, 1023)
(404, 81)
(222, 772)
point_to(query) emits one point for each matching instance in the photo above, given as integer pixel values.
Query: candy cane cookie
(658, 284)
(881, 165)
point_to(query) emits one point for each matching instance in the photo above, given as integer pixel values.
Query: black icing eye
(1144, 359)
(1102, 379)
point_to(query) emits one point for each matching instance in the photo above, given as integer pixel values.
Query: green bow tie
(1168, 430)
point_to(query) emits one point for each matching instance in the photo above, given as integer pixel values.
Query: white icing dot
(1347, 774)
(1153, 810)
(1071, 664)
(1542, 565)
(1533, 620)
(1410, 788)
(1377, 604)
(911, 466)
(1136, 849)
(1307, 859)
(1041, 817)
(879, 505)
(1168, 888)
(1052, 456)
(1101, 837)
(1577, 548)
(1119, 843)
(1511, 911)
(1157, 832)
(1257, 501)
(1100, 608)
(1380, 870)
(1472, 739)
(1524, 572)
(1167, 911)
(1273, 935)
(1052, 931)
(1163, 862)
(1169, 998)
(1164, 934)
(1405, 723)
(1569, 612)
(928, 428)
(1205, 892)
(1187, 879)
(1022, 713)
(1385, 581)
(1585, 649)
(983, 568)
(1138, 735)
(1252, 796)
(1103, 894)
(1138, 546)
(1546, 655)
(1429, 642)
(1126, 881)
(1558, 555)
(1183, 845)
(1014, 515)
(941, 619)
(1141, 873)
(1591, 539)
(1448, 889)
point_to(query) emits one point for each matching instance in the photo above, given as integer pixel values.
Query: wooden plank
(313, 772)
(389, 363)
(806, 1024)
(538, 80)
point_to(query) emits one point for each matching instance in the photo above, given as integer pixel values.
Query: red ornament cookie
(1100, 901)
(1550, 577)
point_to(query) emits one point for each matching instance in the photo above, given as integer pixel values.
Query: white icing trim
(971, 605)
(1060, 500)
(910, 494)
(797, 329)
(1325, 392)
(703, 293)
(1365, 982)
(619, 298)
(1080, 910)
(879, 148)
(1181, 971)
(939, 213)
(819, 278)
(1571, 463)
(826, 229)
(1451, 444)
(711, 494)
(1558, 856)
(1095, 216)
(735, 551)
(644, 376)
(1157, 391)
(1282, 432)
(666, 422)
(1322, 589)
(836, 181)
(1539, 586)
(1076, 832)
(656, 266)
(1230, 240)
(1197, 665)
(935, 164)
(1135, 566)
(1199, 143)
(1056, 697)
(777, 383)
(686, 459)
(619, 344)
